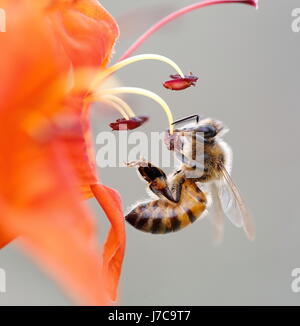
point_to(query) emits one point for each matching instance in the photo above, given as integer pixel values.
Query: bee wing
(228, 203)
(234, 206)
(218, 215)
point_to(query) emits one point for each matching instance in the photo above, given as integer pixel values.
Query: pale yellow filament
(139, 91)
(116, 106)
(110, 70)
(121, 103)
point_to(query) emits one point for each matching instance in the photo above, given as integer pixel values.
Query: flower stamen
(140, 91)
(116, 106)
(141, 57)
(119, 104)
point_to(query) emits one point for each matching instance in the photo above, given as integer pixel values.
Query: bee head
(210, 128)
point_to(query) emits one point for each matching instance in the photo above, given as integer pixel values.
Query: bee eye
(208, 130)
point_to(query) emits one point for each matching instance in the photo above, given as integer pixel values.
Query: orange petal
(114, 247)
(57, 230)
(86, 31)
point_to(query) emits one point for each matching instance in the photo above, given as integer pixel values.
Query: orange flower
(45, 143)
(54, 56)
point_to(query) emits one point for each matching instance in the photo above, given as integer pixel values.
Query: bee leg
(156, 178)
(177, 180)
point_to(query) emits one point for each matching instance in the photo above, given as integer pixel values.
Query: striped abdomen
(163, 216)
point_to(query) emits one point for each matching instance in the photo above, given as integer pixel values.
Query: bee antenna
(187, 118)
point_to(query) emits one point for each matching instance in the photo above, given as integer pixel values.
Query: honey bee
(182, 197)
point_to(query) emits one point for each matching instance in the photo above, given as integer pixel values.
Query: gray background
(248, 64)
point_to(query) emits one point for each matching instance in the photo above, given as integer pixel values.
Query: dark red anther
(128, 124)
(178, 83)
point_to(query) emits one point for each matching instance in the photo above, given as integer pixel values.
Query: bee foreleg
(156, 178)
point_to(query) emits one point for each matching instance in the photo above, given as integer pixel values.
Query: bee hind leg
(156, 178)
